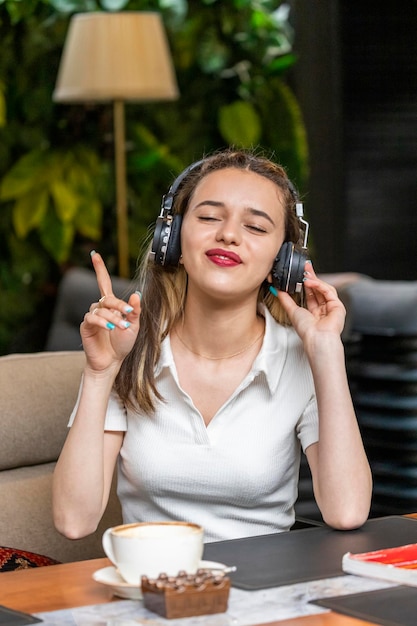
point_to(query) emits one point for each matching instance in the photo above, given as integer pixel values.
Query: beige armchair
(38, 392)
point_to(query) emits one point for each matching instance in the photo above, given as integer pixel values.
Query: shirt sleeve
(308, 425)
(116, 415)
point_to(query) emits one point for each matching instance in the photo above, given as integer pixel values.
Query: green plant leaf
(23, 176)
(283, 63)
(29, 211)
(3, 108)
(56, 237)
(239, 124)
(89, 218)
(113, 5)
(73, 6)
(83, 172)
(66, 200)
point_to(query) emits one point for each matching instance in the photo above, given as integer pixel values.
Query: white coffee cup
(152, 548)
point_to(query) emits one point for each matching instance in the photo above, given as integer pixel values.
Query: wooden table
(70, 585)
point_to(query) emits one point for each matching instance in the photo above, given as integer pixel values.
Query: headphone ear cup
(288, 268)
(166, 245)
(173, 251)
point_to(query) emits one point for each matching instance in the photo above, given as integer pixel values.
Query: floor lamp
(116, 57)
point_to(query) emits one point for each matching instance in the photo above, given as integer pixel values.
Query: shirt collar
(271, 358)
(167, 358)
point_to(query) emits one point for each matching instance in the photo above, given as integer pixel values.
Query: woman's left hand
(325, 313)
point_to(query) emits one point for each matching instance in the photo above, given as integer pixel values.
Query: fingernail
(128, 308)
(92, 253)
(124, 324)
(110, 326)
(309, 261)
(273, 290)
(139, 294)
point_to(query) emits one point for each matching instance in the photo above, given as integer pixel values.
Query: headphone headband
(168, 198)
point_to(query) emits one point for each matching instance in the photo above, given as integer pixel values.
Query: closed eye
(255, 228)
(208, 218)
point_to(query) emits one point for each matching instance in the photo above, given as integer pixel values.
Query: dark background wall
(356, 79)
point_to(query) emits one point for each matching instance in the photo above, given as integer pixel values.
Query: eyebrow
(250, 210)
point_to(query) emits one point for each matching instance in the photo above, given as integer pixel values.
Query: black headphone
(287, 268)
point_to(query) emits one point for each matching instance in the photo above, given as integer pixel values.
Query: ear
(269, 278)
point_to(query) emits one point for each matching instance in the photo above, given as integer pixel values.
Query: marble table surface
(245, 607)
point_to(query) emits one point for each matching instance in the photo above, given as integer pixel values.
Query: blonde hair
(164, 289)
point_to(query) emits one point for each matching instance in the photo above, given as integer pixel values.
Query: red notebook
(392, 564)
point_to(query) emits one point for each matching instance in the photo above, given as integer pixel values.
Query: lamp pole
(121, 187)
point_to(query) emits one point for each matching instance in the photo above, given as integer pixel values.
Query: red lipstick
(224, 258)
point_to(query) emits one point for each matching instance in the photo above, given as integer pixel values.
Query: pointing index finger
(103, 276)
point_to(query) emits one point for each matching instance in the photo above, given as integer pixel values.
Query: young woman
(204, 387)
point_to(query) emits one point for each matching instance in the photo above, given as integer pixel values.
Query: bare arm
(342, 479)
(83, 474)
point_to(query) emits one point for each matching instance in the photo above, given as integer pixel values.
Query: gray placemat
(306, 554)
(10, 617)
(396, 606)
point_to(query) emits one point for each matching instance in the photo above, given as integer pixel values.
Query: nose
(229, 231)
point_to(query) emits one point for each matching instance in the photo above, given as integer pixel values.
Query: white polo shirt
(236, 477)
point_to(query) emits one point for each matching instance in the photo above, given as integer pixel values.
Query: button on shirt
(236, 477)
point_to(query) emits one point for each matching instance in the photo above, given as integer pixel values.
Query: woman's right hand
(110, 327)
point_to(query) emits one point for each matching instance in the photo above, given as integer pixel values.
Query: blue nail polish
(128, 308)
(124, 324)
(110, 326)
(139, 294)
(92, 253)
(273, 290)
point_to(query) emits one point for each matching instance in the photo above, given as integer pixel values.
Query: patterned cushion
(11, 559)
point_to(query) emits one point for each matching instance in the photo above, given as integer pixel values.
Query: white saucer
(110, 576)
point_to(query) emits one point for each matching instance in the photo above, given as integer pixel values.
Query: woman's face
(231, 233)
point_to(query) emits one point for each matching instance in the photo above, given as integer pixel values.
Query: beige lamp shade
(116, 56)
